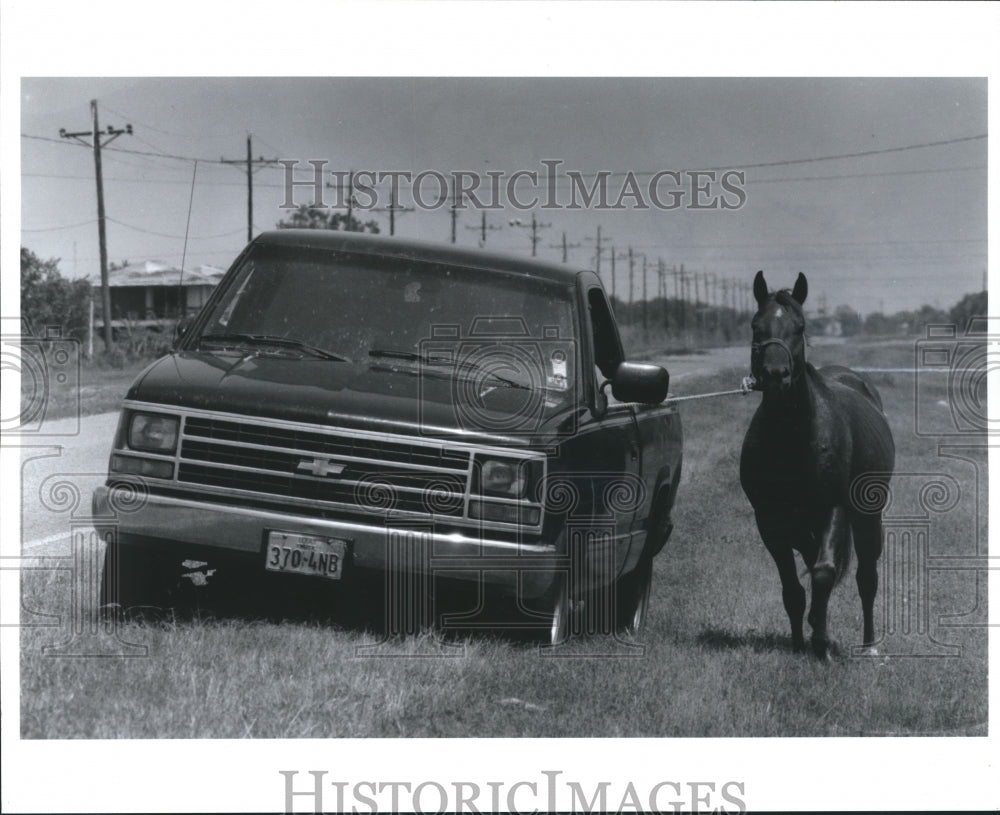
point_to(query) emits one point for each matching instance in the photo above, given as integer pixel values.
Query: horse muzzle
(773, 365)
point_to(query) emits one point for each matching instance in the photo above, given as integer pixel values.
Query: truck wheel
(132, 586)
(561, 614)
(632, 599)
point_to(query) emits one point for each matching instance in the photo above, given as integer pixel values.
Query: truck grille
(331, 467)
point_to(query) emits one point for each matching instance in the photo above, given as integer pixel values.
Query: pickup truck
(352, 407)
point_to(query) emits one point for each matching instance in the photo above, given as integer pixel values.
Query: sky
(897, 227)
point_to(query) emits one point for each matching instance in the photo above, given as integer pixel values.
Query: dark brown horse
(815, 433)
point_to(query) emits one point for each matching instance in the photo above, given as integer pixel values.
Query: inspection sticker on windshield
(305, 554)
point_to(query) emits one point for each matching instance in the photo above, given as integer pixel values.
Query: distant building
(150, 294)
(826, 325)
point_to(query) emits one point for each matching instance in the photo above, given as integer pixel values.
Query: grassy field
(715, 661)
(101, 389)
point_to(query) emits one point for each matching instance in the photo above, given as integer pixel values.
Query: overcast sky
(888, 231)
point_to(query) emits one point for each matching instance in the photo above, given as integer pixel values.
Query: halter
(757, 348)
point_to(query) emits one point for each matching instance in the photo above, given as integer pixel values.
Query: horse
(815, 436)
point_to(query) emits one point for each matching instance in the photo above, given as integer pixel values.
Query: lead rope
(747, 384)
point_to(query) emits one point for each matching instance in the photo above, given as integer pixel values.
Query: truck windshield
(402, 314)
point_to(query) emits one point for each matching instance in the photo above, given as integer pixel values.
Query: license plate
(292, 553)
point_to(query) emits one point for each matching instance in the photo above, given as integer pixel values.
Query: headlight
(503, 477)
(153, 432)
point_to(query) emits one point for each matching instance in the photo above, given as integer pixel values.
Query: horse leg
(868, 548)
(792, 593)
(824, 575)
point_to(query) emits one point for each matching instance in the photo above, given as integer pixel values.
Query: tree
(307, 217)
(47, 298)
(850, 321)
(972, 305)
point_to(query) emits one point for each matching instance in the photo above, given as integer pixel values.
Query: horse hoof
(821, 650)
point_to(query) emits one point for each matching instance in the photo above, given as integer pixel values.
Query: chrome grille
(375, 474)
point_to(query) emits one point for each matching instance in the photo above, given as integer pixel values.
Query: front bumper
(176, 524)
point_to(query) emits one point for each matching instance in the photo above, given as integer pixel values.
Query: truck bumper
(190, 526)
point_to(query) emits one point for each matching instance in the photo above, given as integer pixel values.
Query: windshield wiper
(410, 356)
(268, 339)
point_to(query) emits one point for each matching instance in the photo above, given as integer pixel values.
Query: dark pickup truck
(347, 406)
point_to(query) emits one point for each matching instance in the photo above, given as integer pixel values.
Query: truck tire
(561, 614)
(632, 599)
(132, 585)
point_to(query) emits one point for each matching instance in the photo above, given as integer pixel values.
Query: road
(60, 469)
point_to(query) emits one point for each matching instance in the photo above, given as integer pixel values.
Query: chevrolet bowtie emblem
(321, 466)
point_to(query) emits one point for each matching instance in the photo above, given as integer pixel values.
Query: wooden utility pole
(597, 265)
(482, 229)
(534, 226)
(565, 248)
(645, 306)
(613, 251)
(631, 277)
(250, 162)
(101, 233)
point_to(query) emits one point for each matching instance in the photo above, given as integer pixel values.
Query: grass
(94, 387)
(716, 658)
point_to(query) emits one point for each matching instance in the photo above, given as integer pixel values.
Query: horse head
(778, 352)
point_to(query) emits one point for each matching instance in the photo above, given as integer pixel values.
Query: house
(150, 294)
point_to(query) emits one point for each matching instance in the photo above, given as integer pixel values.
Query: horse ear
(801, 289)
(760, 288)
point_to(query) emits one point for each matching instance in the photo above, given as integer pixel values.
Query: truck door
(623, 491)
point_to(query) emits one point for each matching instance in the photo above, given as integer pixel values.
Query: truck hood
(382, 395)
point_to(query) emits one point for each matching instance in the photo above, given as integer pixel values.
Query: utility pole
(599, 249)
(454, 212)
(101, 234)
(350, 201)
(661, 272)
(534, 226)
(598, 264)
(392, 211)
(631, 277)
(645, 304)
(565, 248)
(710, 310)
(482, 229)
(684, 297)
(613, 252)
(250, 162)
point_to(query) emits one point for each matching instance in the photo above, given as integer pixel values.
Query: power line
(121, 180)
(134, 152)
(864, 175)
(166, 235)
(57, 228)
(730, 165)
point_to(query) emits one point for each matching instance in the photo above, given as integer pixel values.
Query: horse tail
(842, 555)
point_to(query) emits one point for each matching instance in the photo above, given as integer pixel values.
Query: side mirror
(640, 382)
(181, 329)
